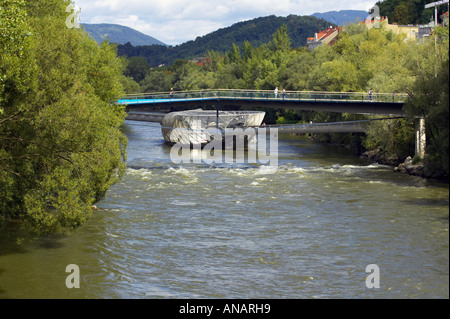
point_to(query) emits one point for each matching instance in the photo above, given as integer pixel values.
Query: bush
(61, 145)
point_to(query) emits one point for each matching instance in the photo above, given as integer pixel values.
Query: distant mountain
(257, 31)
(342, 17)
(119, 34)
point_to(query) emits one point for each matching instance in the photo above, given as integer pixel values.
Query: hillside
(257, 31)
(342, 17)
(119, 34)
(408, 12)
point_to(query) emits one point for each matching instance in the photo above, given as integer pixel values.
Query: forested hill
(257, 32)
(408, 12)
(119, 34)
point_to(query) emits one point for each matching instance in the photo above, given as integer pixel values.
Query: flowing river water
(307, 230)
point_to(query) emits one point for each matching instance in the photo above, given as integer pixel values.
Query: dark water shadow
(433, 202)
(14, 239)
(2, 292)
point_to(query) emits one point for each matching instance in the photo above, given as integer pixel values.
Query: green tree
(130, 86)
(158, 80)
(281, 40)
(235, 54)
(296, 75)
(407, 11)
(430, 99)
(137, 68)
(393, 139)
(339, 76)
(248, 50)
(214, 61)
(404, 13)
(17, 82)
(17, 65)
(61, 147)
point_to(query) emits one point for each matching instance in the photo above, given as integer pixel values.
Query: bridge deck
(260, 95)
(343, 102)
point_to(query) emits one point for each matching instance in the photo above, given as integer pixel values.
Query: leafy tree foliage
(61, 147)
(407, 11)
(393, 139)
(137, 67)
(358, 61)
(430, 100)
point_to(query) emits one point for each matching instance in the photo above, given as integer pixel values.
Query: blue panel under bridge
(340, 102)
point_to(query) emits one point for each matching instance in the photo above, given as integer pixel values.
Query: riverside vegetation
(61, 147)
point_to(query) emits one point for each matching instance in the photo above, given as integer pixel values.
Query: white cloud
(178, 21)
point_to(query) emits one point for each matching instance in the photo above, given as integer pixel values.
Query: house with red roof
(325, 37)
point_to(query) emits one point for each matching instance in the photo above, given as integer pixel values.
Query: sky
(177, 21)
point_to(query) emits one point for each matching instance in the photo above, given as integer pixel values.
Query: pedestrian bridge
(341, 102)
(391, 104)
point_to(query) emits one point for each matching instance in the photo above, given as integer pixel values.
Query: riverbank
(409, 166)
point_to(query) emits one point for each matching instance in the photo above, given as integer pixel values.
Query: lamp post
(436, 5)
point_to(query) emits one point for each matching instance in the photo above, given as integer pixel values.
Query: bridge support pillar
(421, 137)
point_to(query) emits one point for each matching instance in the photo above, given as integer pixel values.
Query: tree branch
(10, 117)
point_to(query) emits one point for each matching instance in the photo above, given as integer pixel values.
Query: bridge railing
(270, 95)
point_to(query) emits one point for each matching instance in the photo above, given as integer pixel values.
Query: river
(307, 230)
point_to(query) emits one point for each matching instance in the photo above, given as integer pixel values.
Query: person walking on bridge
(276, 92)
(371, 95)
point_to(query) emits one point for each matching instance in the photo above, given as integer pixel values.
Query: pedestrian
(171, 93)
(371, 94)
(284, 94)
(276, 92)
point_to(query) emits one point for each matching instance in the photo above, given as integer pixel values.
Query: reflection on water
(305, 230)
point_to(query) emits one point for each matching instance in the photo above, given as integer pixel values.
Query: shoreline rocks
(376, 157)
(404, 167)
(412, 169)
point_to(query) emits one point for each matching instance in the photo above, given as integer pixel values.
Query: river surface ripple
(306, 230)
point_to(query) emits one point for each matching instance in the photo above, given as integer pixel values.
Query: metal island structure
(200, 127)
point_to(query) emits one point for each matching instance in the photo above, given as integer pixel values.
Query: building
(410, 31)
(326, 37)
(201, 61)
(425, 32)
